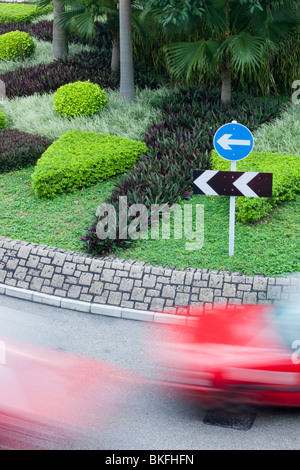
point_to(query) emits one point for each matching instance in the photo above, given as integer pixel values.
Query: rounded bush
(2, 120)
(14, 44)
(79, 99)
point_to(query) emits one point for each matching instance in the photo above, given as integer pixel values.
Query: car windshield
(287, 319)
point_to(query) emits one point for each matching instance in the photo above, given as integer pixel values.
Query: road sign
(233, 141)
(233, 183)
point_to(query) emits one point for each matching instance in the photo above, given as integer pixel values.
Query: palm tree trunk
(115, 57)
(226, 84)
(60, 40)
(127, 89)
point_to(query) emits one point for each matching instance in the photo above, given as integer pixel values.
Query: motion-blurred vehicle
(230, 356)
(49, 398)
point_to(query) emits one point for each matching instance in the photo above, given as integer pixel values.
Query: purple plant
(19, 149)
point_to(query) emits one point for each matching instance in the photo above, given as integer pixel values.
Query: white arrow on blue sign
(233, 141)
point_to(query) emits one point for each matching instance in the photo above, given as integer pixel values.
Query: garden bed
(177, 126)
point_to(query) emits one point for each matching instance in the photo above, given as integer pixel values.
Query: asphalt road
(151, 417)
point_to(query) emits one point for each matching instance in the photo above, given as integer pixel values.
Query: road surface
(151, 417)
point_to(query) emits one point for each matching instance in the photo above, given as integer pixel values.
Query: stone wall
(127, 284)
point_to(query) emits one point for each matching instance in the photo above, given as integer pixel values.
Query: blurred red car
(245, 355)
(49, 398)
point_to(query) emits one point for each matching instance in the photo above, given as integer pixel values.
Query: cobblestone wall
(130, 284)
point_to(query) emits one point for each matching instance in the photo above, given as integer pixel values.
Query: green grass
(35, 115)
(269, 247)
(58, 223)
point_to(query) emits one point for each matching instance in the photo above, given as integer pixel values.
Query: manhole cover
(241, 420)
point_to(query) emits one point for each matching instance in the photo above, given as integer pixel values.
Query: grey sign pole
(232, 216)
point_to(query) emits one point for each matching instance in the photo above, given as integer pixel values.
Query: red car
(245, 355)
(49, 398)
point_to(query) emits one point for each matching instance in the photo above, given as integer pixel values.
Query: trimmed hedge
(80, 158)
(2, 120)
(19, 149)
(15, 43)
(286, 181)
(20, 12)
(79, 99)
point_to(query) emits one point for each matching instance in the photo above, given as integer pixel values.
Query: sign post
(232, 216)
(233, 142)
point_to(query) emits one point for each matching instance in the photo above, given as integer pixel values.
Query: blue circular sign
(233, 141)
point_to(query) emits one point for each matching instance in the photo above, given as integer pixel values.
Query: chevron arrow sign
(232, 183)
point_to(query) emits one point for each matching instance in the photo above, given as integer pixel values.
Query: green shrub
(80, 159)
(15, 43)
(79, 99)
(2, 120)
(20, 12)
(286, 181)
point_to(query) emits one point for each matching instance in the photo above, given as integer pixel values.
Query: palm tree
(119, 19)
(82, 14)
(127, 89)
(238, 34)
(59, 36)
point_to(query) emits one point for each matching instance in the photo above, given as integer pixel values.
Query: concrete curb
(92, 308)
(127, 288)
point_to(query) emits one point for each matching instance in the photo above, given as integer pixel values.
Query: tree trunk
(127, 89)
(60, 40)
(226, 84)
(115, 57)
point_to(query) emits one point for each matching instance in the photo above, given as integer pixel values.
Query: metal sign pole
(232, 216)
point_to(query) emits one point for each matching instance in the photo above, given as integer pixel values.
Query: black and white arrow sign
(233, 183)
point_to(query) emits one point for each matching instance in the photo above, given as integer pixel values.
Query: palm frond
(243, 50)
(83, 22)
(186, 57)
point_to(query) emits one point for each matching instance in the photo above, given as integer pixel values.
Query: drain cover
(241, 420)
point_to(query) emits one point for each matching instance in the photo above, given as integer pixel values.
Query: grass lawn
(269, 247)
(58, 222)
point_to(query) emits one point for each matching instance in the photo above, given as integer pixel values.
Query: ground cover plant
(35, 114)
(19, 149)
(45, 78)
(42, 55)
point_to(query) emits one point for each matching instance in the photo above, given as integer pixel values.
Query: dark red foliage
(19, 149)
